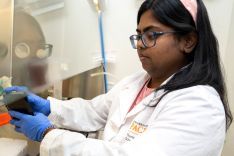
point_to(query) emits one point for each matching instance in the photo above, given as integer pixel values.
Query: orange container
(4, 118)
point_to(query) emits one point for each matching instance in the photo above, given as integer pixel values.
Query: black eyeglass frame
(141, 37)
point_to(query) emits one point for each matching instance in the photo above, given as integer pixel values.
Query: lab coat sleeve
(85, 115)
(79, 114)
(190, 123)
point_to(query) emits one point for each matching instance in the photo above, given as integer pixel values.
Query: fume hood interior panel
(47, 41)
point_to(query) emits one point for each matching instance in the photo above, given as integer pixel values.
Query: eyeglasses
(23, 50)
(148, 38)
(45, 51)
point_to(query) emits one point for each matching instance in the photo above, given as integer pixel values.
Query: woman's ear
(189, 42)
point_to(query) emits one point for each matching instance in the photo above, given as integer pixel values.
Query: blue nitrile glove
(31, 126)
(37, 103)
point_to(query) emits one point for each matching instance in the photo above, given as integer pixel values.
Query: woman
(178, 107)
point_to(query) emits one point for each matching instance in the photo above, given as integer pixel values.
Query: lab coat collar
(128, 95)
(130, 92)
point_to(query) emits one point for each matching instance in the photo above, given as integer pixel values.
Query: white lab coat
(186, 122)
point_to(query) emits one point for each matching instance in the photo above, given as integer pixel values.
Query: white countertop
(13, 147)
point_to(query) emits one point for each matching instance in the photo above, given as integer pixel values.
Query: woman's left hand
(31, 126)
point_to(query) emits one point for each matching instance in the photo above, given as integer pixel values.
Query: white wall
(228, 62)
(220, 12)
(119, 23)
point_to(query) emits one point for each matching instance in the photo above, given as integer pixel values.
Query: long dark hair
(204, 68)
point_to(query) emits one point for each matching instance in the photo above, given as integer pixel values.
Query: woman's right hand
(37, 103)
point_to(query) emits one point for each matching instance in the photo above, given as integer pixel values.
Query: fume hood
(38, 7)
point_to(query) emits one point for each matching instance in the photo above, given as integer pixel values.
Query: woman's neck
(154, 83)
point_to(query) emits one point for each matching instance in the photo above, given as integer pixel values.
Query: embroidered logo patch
(137, 127)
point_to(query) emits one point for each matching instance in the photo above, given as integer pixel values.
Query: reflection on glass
(3, 50)
(5, 37)
(23, 49)
(29, 52)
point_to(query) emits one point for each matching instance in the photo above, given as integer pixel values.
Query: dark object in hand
(16, 101)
